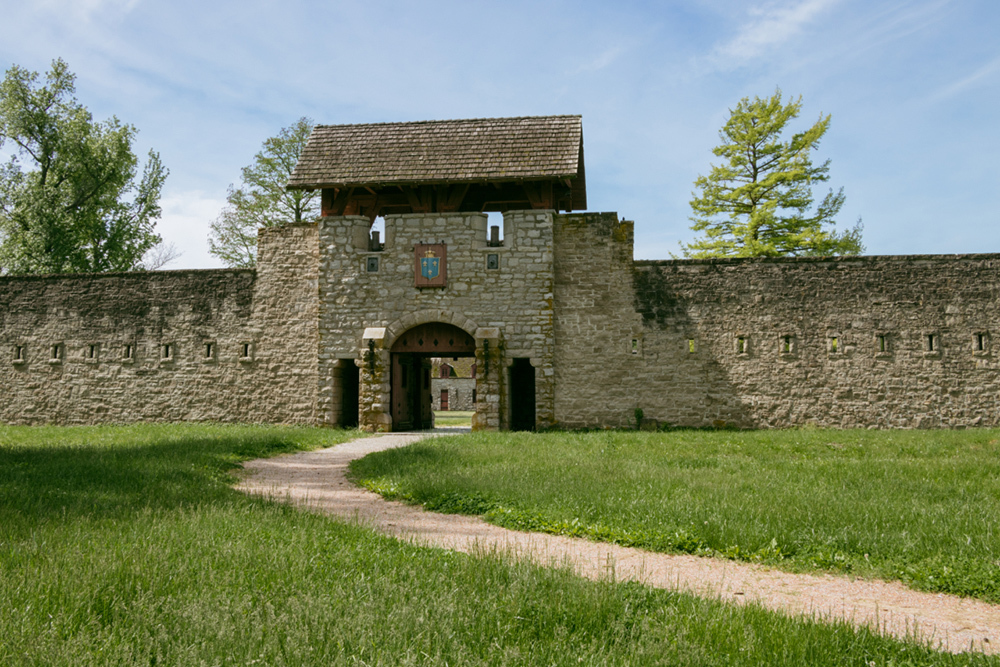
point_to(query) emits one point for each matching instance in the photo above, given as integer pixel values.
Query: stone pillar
(544, 392)
(375, 389)
(489, 380)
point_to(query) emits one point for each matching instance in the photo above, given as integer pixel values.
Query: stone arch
(410, 320)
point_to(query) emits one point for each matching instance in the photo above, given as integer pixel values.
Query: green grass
(919, 506)
(453, 418)
(128, 546)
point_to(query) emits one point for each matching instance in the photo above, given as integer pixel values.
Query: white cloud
(186, 216)
(84, 10)
(601, 61)
(967, 82)
(770, 26)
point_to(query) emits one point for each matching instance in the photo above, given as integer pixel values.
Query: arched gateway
(410, 374)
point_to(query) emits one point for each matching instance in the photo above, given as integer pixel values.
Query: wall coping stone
(122, 274)
(848, 259)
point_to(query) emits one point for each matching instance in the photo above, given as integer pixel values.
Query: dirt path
(318, 480)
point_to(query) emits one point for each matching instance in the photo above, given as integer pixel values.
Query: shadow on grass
(119, 476)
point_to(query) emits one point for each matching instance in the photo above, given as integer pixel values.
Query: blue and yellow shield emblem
(430, 265)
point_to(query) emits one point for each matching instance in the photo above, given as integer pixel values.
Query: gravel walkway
(318, 481)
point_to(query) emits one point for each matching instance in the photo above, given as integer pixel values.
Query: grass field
(128, 546)
(452, 418)
(919, 506)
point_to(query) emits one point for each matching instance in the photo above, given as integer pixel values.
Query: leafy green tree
(69, 200)
(262, 200)
(757, 202)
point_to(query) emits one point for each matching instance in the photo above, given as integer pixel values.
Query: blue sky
(913, 88)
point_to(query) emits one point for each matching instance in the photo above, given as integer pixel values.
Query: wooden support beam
(337, 202)
(373, 209)
(450, 199)
(326, 201)
(414, 200)
(539, 194)
(547, 200)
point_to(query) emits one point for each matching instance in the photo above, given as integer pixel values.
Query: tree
(757, 203)
(262, 200)
(69, 200)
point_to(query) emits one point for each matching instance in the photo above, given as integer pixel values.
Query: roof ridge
(452, 120)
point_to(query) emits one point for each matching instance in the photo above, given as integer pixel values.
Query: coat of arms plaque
(430, 264)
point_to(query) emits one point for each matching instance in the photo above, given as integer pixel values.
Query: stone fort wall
(220, 345)
(868, 341)
(904, 341)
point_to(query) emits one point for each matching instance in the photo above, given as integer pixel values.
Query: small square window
(836, 345)
(742, 345)
(208, 351)
(371, 264)
(91, 353)
(634, 346)
(168, 353)
(492, 262)
(883, 345)
(691, 346)
(56, 353)
(20, 354)
(246, 351)
(980, 343)
(786, 345)
(932, 344)
(128, 352)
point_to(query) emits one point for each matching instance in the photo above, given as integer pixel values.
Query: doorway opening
(522, 395)
(349, 376)
(411, 400)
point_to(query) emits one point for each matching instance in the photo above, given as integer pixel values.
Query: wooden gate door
(412, 407)
(402, 386)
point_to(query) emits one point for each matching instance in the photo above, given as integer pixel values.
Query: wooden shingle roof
(446, 151)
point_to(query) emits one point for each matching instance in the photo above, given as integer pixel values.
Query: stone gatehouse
(337, 325)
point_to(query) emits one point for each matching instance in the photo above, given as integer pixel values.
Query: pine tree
(757, 202)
